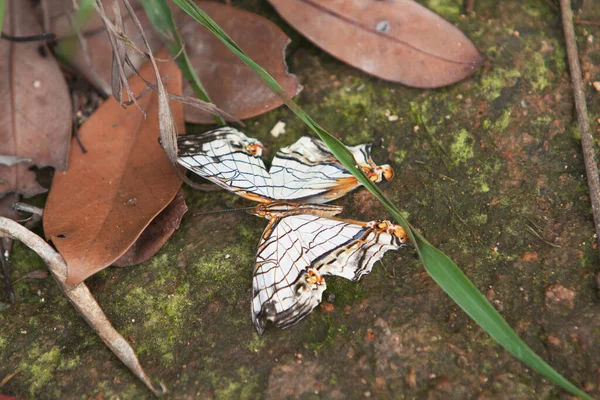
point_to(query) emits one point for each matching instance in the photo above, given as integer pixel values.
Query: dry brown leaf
(6, 397)
(156, 234)
(99, 207)
(231, 85)
(399, 40)
(58, 13)
(35, 106)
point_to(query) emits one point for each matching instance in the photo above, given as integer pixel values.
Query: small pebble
(390, 117)
(553, 340)
(278, 129)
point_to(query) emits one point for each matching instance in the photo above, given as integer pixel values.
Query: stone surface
(493, 176)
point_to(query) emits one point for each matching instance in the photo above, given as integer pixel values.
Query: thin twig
(587, 141)
(586, 22)
(28, 208)
(42, 37)
(475, 236)
(551, 4)
(166, 121)
(469, 6)
(4, 253)
(81, 298)
(116, 45)
(74, 121)
(99, 82)
(537, 235)
(192, 101)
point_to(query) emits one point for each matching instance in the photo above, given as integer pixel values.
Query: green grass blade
(2, 9)
(160, 15)
(447, 274)
(65, 50)
(441, 268)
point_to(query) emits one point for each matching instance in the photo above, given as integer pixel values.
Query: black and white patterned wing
(284, 288)
(307, 171)
(346, 248)
(230, 159)
(296, 251)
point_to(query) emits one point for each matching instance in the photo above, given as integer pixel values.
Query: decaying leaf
(99, 54)
(399, 40)
(156, 234)
(99, 207)
(35, 106)
(231, 85)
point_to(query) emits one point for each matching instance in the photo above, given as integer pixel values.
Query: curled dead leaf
(399, 40)
(100, 206)
(35, 106)
(156, 234)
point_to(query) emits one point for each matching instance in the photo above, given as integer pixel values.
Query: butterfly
(302, 242)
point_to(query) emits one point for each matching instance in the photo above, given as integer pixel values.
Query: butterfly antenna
(223, 211)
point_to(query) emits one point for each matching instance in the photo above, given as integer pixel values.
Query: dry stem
(587, 141)
(81, 298)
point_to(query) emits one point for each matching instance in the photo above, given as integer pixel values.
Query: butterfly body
(278, 209)
(302, 242)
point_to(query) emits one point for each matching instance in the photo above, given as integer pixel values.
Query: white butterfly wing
(346, 248)
(307, 171)
(230, 159)
(282, 293)
(296, 250)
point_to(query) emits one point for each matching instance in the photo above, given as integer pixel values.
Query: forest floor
(489, 169)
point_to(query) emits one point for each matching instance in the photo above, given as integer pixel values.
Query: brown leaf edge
(82, 299)
(156, 234)
(418, 67)
(276, 64)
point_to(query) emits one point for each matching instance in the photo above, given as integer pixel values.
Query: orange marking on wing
(254, 197)
(255, 150)
(343, 186)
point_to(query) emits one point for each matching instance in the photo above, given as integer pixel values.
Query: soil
(489, 169)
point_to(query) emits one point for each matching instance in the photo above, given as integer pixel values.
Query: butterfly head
(379, 173)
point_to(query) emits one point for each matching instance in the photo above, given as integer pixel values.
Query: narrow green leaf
(447, 274)
(2, 9)
(65, 50)
(160, 15)
(441, 268)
